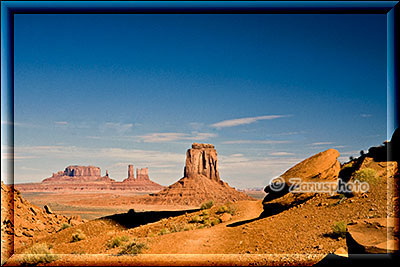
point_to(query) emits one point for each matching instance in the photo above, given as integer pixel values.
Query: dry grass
(38, 253)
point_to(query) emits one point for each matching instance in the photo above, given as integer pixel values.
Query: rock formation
(201, 159)
(131, 172)
(323, 166)
(23, 222)
(201, 182)
(77, 173)
(88, 178)
(377, 235)
(142, 174)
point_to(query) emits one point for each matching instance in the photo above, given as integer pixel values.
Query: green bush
(38, 253)
(215, 221)
(222, 209)
(133, 248)
(207, 205)
(117, 241)
(339, 229)
(78, 236)
(227, 208)
(196, 219)
(367, 175)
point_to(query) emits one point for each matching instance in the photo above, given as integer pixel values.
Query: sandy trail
(218, 239)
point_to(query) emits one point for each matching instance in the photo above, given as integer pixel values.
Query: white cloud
(120, 128)
(172, 137)
(281, 154)
(61, 122)
(365, 115)
(232, 142)
(196, 125)
(321, 143)
(243, 121)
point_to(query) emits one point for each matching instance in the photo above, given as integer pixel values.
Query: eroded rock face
(75, 171)
(201, 159)
(377, 235)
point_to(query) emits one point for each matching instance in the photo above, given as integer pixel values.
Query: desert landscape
(201, 214)
(207, 139)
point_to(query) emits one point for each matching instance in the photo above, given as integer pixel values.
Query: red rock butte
(201, 182)
(88, 178)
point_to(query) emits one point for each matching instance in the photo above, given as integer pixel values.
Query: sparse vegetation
(133, 248)
(207, 205)
(196, 219)
(366, 175)
(65, 226)
(339, 229)
(164, 231)
(117, 241)
(38, 253)
(227, 209)
(78, 236)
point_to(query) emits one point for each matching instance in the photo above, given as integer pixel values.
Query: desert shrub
(164, 231)
(227, 208)
(65, 226)
(117, 241)
(187, 228)
(204, 213)
(207, 205)
(176, 228)
(222, 209)
(196, 219)
(133, 247)
(215, 221)
(207, 222)
(366, 175)
(78, 236)
(38, 253)
(339, 229)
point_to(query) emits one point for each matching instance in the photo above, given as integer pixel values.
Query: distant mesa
(201, 182)
(88, 178)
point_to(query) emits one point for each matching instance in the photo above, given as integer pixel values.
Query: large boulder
(377, 235)
(323, 166)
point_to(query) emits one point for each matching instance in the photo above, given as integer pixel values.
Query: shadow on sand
(270, 209)
(133, 219)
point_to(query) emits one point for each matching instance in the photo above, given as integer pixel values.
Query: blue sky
(266, 90)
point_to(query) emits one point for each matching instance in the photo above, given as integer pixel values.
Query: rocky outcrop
(23, 222)
(131, 172)
(88, 178)
(321, 167)
(377, 235)
(201, 159)
(76, 171)
(201, 182)
(142, 174)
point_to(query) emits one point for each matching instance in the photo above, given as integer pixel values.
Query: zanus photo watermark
(296, 185)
